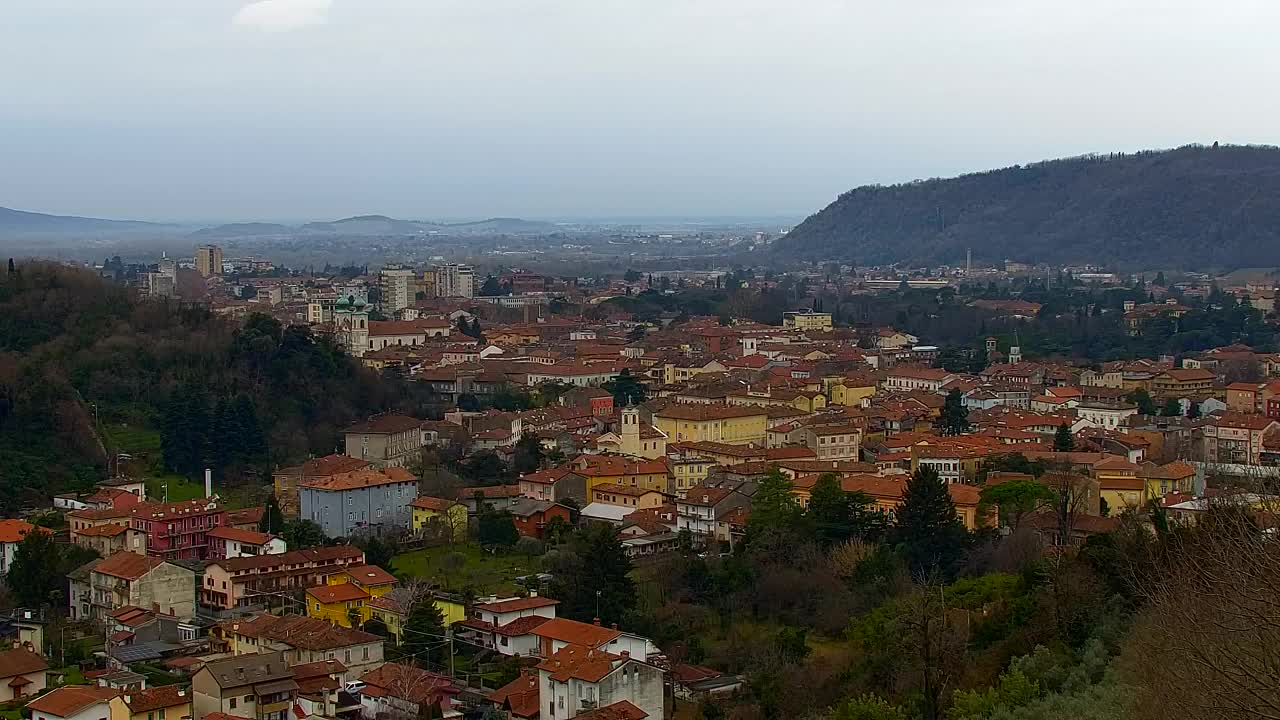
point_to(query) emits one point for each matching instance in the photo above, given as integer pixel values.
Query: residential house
(22, 674)
(346, 594)
(439, 518)
(11, 533)
(496, 497)
(506, 626)
(518, 699)
(240, 582)
(1183, 383)
(302, 640)
(555, 484)
(909, 377)
(620, 470)
(702, 508)
(402, 691)
(1107, 415)
(385, 440)
(531, 516)
(163, 702)
(174, 530)
(558, 633)
(288, 480)
(1237, 439)
(579, 681)
(319, 684)
(363, 502)
(130, 579)
(634, 438)
(833, 442)
(627, 496)
(229, 542)
(73, 702)
(257, 686)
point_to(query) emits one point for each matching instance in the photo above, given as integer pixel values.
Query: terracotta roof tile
(67, 701)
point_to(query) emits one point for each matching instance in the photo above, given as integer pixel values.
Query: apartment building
(209, 260)
(455, 281)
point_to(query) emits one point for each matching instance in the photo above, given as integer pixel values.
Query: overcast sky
(301, 109)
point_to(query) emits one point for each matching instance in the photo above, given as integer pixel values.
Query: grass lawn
(134, 439)
(71, 675)
(180, 488)
(486, 573)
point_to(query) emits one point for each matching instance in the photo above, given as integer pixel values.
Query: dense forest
(79, 354)
(1191, 208)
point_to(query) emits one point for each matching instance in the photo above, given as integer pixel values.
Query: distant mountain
(1194, 207)
(368, 225)
(21, 222)
(248, 229)
(513, 226)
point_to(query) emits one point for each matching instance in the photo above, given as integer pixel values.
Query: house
(11, 533)
(732, 424)
(229, 542)
(833, 442)
(696, 684)
(360, 502)
(1183, 382)
(807, 320)
(242, 581)
(302, 640)
(1237, 439)
(392, 609)
(1106, 415)
(518, 698)
(701, 509)
(555, 484)
(385, 440)
(621, 470)
(163, 702)
(558, 633)
(173, 530)
(318, 686)
(531, 516)
(598, 401)
(346, 594)
(22, 673)
(74, 702)
(627, 496)
(258, 686)
(130, 579)
(287, 480)
(909, 377)
(633, 438)
(439, 518)
(579, 681)
(395, 690)
(497, 497)
(507, 626)
(110, 538)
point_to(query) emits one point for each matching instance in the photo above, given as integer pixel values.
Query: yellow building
(346, 594)
(634, 438)
(852, 392)
(807, 320)
(164, 702)
(735, 425)
(438, 515)
(392, 610)
(627, 496)
(597, 470)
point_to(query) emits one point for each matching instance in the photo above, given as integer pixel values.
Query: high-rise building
(397, 289)
(455, 281)
(209, 260)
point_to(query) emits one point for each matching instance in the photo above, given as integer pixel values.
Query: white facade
(630, 680)
(455, 281)
(397, 289)
(235, 548)
(1104, 416)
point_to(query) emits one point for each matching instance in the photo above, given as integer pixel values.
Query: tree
(928, 529)
(301, 534)
(594, 572)
(867, 707)
(34, 575)
(1142, 398)
(631, 276)
(272, 518)
(423, 633)
(528, 455)
(378, 552)
(1016, 499)
(491, 287)
(626, 388)
(1062, 439)
(838, 516)
(1193, 410)
(1172, 408)
(497, 529)
(1159, 281)
(955, 416)
(774, 507)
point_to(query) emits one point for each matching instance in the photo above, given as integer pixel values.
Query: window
(364, 656)
(232, 704)
(248, 699)
(346, 656)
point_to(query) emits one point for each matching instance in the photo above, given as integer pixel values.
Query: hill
(249, 229)
(1194, 207)
(21, 222)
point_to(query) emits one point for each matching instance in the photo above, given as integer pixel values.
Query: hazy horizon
(276, 110)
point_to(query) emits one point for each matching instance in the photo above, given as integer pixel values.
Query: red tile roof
(127, 565)
(365, 478)
(342, 592)
(370, 575)
(247, 537)
(517, 604)
(576, 633)
(520, 696)
(579, 662)
(385, 425)
(66, 701)
(154, 698)
(20, 661)
(425, 502)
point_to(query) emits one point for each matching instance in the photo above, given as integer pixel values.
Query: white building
(455, 281)
(1104, 415)
(578, 679)
(74, 702)
(397, 289)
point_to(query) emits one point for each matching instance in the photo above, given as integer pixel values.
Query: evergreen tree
(774, 507)
(272, 518)
(1141, 398)
(1062, 439)
(928, 530)
(34, 575)
(497, 528)
(528, 455)
(1193, 410)
(302, 534)
(1172, 408)
(596, 572)
(626, 389)
(377, 552)
(837, 516)
(423, 632)
(955, 416)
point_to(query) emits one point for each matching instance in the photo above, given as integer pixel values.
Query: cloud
(281, 15)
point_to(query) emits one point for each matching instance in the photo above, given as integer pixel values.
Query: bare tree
(1073, 495)
(931, 642)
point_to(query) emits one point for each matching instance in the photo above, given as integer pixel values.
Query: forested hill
(1191, 208)
(239, 399)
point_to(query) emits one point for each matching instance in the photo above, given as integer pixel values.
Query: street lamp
(597, 605)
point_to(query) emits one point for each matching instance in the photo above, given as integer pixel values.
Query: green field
(483, 572)
(144, 445)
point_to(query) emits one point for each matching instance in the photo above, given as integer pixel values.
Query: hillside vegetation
(80, 356)
(1191, 208)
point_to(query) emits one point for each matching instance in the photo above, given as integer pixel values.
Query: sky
(222, 110)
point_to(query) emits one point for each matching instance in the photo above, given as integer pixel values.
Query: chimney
(613, 626)
(533, 593)
(182, 693)
(208, 483)
(128, 699)
(155, 607)
(625, 653)
(596, 621)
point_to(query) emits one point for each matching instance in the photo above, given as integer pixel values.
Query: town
(579, 466)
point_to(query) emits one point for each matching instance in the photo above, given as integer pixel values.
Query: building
(454, 281)
(833, 442)
(731, 424)
(163, 702)
(319, 684)
(302, 640)
(74, 702)
(532, 516)
(907, 377)
(398, 289)
(385, 440)
(130, 579)
(346, 594)
(178, 531)
(702, 508)
(361, 502)
(506, 626)
(1106, 415)
(403, 691)
(627, 496)
(1183, 382)
(351, 325)
(11, 533)
(287, 480)
(578, 680)
(245, 581)
(620, 470)
(22, 673)
(209, 260)
(438, 517)
(807, 320)
(259, 687)
(229, 542)
(1237, 439)
(393, 608)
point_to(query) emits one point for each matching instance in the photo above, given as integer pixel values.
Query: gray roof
(244, 670)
